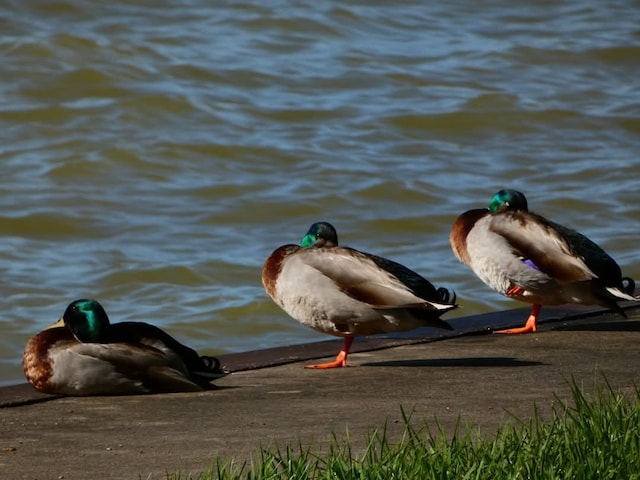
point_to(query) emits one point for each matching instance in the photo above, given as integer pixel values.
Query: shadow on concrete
(610, 326)
(456, 362)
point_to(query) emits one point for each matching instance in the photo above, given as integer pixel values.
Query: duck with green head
(344, 292)
(529, 258)
(84, 354)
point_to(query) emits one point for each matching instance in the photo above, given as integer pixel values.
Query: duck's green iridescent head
(87, 320)
(508, 200)
(320, 234)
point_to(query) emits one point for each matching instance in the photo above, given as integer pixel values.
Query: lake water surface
(153, 154)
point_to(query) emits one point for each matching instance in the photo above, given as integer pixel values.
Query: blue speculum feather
(530, 264)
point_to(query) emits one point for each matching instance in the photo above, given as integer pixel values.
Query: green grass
(592, 438)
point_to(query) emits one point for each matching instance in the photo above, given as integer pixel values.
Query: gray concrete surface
(270, 400)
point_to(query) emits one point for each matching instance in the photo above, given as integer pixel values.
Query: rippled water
(152, 156)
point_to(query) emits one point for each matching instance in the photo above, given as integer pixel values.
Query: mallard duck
(529, 258)
(84, 354)
(344, 292)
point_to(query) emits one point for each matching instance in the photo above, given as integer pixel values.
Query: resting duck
(527, 257)
(83, 354)
(344, 292)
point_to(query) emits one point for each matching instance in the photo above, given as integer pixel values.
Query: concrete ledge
(24, 394)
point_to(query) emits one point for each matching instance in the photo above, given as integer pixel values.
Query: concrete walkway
(271, 400)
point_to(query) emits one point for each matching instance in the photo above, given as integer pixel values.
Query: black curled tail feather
(212, 365)
(447, 297)
(628, 286)
(208, 370)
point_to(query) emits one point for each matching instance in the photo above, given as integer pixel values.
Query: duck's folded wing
(358, 276)
(536, 239)
(149, 335)
(120, 368)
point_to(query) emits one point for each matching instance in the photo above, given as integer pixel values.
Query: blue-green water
(152, 156)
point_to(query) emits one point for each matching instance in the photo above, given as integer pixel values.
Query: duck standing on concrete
(344, 292)
(84, 354)
(529, 258)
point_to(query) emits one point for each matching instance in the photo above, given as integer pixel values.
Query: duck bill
(59, 323)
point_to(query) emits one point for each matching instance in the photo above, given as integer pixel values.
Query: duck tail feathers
(442, 307)
(622, 294)
(211, 368)
(628, 286)
(446, 297)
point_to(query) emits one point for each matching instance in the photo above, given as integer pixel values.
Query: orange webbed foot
(341, 359)
(529, 327)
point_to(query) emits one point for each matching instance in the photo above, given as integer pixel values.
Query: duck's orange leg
(529, 327)
(341, 359)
